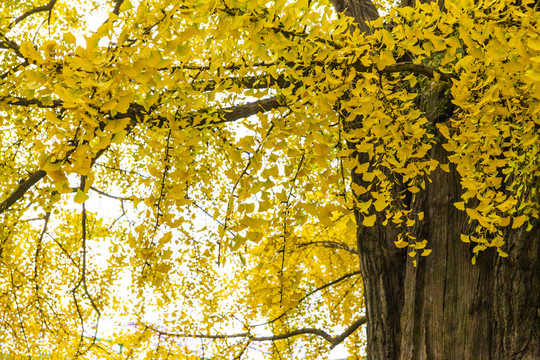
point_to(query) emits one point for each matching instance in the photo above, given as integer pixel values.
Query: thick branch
(417, 69)
(246, 110)
(223, 115)
(355, 325)
(20, 101)
(117, 5)
(135, 111)
(22, 189)
(32, 180)
(11, 45)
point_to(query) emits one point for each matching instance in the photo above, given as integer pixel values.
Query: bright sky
(112, 322)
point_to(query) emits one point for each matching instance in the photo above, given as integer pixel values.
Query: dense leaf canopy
(185, 165)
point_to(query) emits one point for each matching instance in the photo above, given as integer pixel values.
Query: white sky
(101, 205)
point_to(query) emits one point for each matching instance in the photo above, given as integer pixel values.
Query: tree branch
(117, 5)
(116, 10)
(11, 45)
(103, 193)
(355, 325)
(242, 111)
(134, 112)
(334, 341)
(224, 115)
(305, 331)
(417, 69)
(333, 282)
(22, 189)
(35, 10)
(331, 245)
(248, 82)
(20, 101)
(34, 179)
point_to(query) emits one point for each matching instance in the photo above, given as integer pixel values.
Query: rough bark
(447, 308)
(361, 10)
(455, 310)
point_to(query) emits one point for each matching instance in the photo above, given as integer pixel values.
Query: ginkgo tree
(265, 177)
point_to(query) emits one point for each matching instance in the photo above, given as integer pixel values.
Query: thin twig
(334, 341)
(38, 248)
(331, 245)
(109, 195)
(331, 283)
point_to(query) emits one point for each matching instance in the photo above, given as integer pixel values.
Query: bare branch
(84, 239)
(39, 248)
(163, 179)
(247, 335)
(239, 356)
(305, 331)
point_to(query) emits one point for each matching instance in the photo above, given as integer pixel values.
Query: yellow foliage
(212, 146)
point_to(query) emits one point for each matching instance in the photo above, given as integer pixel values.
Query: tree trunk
(445, 307)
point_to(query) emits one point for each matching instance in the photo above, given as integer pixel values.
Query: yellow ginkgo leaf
(80, 197)
(369, 220)
(518, 221)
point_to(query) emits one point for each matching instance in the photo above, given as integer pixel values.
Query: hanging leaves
(219, 135)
